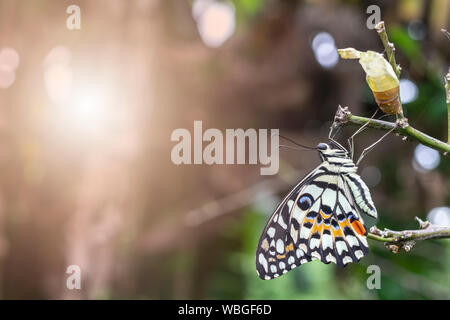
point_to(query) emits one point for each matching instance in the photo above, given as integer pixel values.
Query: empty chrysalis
(380, 77)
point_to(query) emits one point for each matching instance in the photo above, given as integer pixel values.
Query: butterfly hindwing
(332, 229)
(361, 194)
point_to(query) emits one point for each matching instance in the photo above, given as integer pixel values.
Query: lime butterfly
(319, 219)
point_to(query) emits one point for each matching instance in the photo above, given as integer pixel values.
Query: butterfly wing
(361, 194)
(317, 220)
(275, 253)
(331, 229)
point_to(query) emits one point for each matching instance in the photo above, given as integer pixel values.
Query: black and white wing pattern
(318, 220)
(275, 253)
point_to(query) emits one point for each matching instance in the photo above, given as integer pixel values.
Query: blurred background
(85, 123)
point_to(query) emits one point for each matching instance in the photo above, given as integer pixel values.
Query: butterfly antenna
(331, 131)
(296, 143)
(290, 147)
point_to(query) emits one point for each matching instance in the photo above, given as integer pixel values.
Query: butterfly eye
(322, 146)
(305, 202)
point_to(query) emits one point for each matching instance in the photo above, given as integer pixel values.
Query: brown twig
(447, 93)
(405, 240)
(401, 127)
(389, 47)
(390, 52)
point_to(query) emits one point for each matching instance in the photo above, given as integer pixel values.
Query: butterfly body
(319, 219)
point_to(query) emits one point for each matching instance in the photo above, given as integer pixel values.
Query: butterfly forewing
(276, 253)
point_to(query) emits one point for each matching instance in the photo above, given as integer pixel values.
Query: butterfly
(320, 218)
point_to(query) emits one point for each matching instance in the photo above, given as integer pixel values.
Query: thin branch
(398, 240)
(447, 92)
(390, 52)
(344, 116)
(389, 47)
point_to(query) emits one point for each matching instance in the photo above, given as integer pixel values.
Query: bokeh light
(425, 158)
(199, 6)
(216, 21)
(7, 77)
(408, 91)
(9, 57)
(58, 74)
(89, 108)
(417, 30)
(81, 110)
(371, 175)
(89, 113)
(439, 216)
(325, 50)
(9, 62)
(59, 54)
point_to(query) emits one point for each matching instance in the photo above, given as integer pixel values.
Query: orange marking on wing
(344, 224)
(290, 247)
(358, 227)
(317, 228)
(337, 233)
(321, 228)
(279, 256)
(314, 228)
(324, 215)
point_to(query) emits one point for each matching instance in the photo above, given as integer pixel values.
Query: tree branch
(344, 116)
(398, 240)
(447, 92)
(389, 47)
(390, 52)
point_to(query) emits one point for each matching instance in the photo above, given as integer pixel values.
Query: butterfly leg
(366, 150)
(363, 127)
(331, 131)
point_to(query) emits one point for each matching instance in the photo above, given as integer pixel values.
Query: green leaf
(399, 36)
